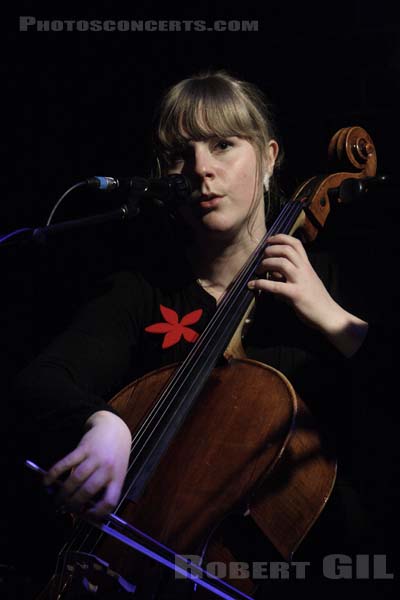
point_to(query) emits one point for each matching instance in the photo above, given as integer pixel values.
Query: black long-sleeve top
(147, 319)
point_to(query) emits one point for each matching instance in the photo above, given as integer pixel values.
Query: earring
(267, 204)
(267, 198)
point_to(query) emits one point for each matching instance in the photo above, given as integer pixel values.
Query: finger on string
(275, 276)
(283, 251)
(278, 288)
(283, 238)
(279, 265)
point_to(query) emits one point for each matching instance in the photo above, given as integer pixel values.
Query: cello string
(284, 220)
(172, 389)
(210, 326)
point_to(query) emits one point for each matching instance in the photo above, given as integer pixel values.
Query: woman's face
(223, 174)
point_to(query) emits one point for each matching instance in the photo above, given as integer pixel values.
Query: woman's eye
(223, 144)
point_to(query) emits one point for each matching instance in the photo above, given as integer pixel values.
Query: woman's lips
(210, 202)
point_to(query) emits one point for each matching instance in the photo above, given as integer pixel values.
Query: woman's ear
(272, 154)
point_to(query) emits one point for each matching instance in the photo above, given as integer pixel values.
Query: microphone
(175, 188)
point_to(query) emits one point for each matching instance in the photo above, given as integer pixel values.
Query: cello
(263, 455)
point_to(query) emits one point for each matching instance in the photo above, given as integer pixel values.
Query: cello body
(262, 456)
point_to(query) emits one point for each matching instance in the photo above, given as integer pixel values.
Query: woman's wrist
(101, 416)
(345, 331)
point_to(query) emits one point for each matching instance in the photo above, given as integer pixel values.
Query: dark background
(81, 104)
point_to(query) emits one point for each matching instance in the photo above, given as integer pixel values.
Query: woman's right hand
(98, 464)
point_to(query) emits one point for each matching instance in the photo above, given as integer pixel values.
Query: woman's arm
(292, 278)
(63, 395)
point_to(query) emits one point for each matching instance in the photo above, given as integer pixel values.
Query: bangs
(203, 108)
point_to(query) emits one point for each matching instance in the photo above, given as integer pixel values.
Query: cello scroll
(352, 152)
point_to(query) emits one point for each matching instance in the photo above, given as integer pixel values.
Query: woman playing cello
(216, 131)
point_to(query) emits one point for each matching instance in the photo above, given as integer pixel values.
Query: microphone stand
(125, 212)
(172, 190)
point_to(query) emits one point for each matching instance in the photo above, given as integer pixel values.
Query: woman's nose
(203, 162)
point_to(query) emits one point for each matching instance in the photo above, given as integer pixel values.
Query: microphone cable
(57, 204)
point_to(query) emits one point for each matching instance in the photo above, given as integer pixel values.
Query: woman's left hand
(292, 278)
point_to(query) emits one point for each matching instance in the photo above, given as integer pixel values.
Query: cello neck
(179, 395)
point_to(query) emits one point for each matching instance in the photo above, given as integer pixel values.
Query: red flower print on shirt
(175, 329)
